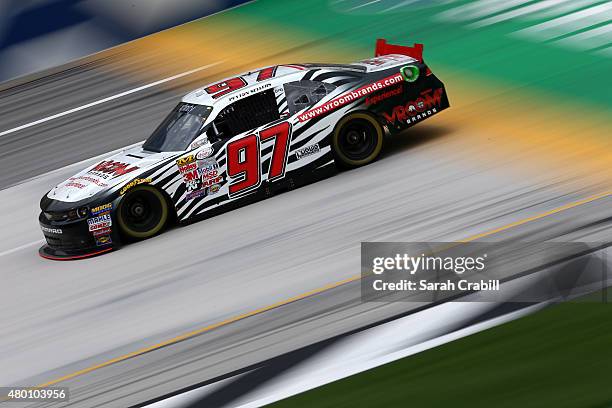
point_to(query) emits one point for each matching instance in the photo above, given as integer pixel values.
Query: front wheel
(142, 213)
(357, 140)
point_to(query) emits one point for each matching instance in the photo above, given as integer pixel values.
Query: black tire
(357, 140)
(142, 213)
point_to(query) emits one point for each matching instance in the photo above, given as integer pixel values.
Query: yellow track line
(537, 217)
(200, 331)
(298, 297)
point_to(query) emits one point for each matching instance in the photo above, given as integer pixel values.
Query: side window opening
(303, 94)
(302, 100)
(320, 91)
(245, 114)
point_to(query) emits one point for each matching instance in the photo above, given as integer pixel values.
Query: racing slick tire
(142, 213)
(357, 140)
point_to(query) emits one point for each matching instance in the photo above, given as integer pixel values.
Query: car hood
(108, 174)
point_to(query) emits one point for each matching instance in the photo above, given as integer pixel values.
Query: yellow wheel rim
(371, 156)
(130, 232)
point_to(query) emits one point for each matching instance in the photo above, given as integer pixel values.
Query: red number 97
(243, 165)
(244, 158)
(219, 89)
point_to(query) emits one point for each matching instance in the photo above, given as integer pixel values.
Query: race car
(239, 140)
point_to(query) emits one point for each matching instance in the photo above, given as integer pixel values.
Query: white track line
(29, 244)
(104, 100)
(315, 373)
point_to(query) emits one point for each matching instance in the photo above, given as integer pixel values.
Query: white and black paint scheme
(240, 140)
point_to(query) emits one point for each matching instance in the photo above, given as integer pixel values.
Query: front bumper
(68, 240)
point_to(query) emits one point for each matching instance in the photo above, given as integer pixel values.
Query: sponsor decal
(103, 231)
(208, 165)
(413, 111)
(307, 151)
(374, 99)
(99, 222)
(103, 240)
(192, 184)
(89, 179)
(350, 96)
(51, 230)
(198, 175)
(191, 176)
(204, 153)
(210, 182)
(102, 209)
(183, 161)
(188, 169)
(134, 183)
(75, 185)
(110, 168)
(214, 189)
(195, 194)
(206, 175)
(200, 142)
(197, 188)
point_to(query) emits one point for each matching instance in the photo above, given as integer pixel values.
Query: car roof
(283, 74)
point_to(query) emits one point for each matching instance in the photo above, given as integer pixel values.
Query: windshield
(179, 129)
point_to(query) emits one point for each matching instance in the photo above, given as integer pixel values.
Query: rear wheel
(357, 140)
(142, 213)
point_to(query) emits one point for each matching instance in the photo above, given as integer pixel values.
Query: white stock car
(238, 140)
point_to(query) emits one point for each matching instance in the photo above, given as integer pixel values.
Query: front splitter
(47, 252)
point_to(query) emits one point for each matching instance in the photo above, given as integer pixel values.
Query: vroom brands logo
(351, 96)
(425, 105)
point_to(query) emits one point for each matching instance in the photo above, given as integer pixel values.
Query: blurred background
(39, 34)
(528, 132)
(537, 71)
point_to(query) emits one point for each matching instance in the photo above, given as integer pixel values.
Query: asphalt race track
(61, 318)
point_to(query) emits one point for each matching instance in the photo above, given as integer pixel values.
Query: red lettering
(221, 88)
(114, 168)
(266, 73)
(426, 101)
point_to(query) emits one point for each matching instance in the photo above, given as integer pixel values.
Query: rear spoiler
(382, 48)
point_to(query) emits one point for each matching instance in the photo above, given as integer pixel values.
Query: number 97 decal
(244, 166)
